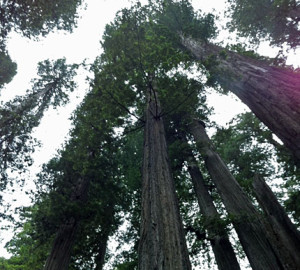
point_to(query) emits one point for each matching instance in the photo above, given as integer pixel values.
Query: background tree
(23, 113)
(275, 21)
(252, 80)
(93, 174)
(32, 19)
(238, 205)
(284, 230)
(8, 68)
(248, 151)
(275, 89)
(142, 57)
(250, 148)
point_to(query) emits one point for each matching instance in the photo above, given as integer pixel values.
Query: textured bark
(272, 93)
(162, 243)
(60, 255)
(286, 237)
(222, 248)
(245, 218)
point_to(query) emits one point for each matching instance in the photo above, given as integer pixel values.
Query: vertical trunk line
(245, 218)
(60, 254)
(102, 247)
(222, 248)
(284, 232)
(162, 243)
(267, 90)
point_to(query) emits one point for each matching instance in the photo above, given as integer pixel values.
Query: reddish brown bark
(245, 218)
(272, 93)
(162, 243)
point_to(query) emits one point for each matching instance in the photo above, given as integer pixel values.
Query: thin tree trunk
(245, 218)
(272, 93)
(106, 230)
(162, 243)
(102, 246)
(60, 255)
(285, 233)
(222, 248)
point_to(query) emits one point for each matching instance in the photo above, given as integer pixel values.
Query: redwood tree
(284, 231)
(245, 218)
(140, 57)
(217, 235)
(162, 241)
(272, 93)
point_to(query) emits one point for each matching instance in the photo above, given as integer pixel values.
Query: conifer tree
(245, 218)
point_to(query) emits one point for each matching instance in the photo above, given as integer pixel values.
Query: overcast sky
(82, 44)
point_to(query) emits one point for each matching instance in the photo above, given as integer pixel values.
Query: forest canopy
(139, 169)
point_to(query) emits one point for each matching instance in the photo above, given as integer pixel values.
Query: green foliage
(180, 17)
(242, 49)
(105, 149)
(276, 21)
(149, 52)
(25, 243)
(244, 147)
(127, 266)
(248, 147)
(23, 113)
(291, 175)
(93, 153)
(8, 69)
(291, 204)
(33, 18)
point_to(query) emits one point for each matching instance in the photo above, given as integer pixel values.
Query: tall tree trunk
(285, 232)
(245, 218)
(60, 254)
(222, 248)
(162, 243)
(272, 93)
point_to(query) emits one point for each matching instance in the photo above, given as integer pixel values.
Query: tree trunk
(272, 93)
(224, 254)
(245, 218)
(162, 243)
(60, 255)
(106, 229)
(285, 233)
(102, 246)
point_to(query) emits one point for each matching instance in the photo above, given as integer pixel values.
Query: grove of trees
(139, 170)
